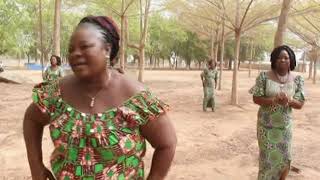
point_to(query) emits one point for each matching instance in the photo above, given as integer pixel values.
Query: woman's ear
(107, 48)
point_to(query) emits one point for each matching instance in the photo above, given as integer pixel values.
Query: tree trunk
(41, 36)
(221, 55)
(304, 63)
(19, 59)
(176, 63)
(230, 64)
(282, 23)
(122, 35)
(234, 95)
(143, 39)
(56, 39)
(310, 69)
(216, 46)
(126, 39)
(234, 91)
(28, 55)
(315, 70)
(212, 43)
(251, 58)
(150, 61)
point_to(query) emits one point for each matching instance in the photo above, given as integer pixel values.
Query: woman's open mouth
(79, 65)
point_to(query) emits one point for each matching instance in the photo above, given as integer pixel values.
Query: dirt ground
(220, 145)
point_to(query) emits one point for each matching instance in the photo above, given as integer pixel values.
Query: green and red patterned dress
(101, 146)
(274, 126)
(52, 75)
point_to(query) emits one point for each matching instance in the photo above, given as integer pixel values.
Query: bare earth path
(213, 146)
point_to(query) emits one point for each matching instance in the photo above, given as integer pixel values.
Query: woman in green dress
(54, 71)
(209, 78)
(99, 119)
(277, 92)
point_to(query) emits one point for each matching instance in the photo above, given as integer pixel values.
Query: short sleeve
(44, 96)
(258, 89)
(61, 72)
(205, 71)
(45, 74)
(299, 91)
(149, 107)
(217, 75)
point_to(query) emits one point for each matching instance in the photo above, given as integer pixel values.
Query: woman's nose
(75, 53)
(283, 59)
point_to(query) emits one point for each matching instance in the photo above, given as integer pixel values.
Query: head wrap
(111, 30)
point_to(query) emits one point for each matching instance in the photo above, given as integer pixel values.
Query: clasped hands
(282, 99)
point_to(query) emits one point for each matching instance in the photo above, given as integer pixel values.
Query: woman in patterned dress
(209, 78)
(98, 118)
(277, 91)
(54, 71)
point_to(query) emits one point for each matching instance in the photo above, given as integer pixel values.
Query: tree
(282, 23)
(239, 17)
(144, 19)
(56, 39)
(222, 40)
(306, 27)
(41, 35)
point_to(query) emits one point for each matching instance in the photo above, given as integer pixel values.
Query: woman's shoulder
(128, 85)
(264, 75)
(296, 77)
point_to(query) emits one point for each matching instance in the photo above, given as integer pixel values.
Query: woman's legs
(205, 99)
(285, 173)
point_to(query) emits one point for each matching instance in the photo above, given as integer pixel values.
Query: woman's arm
(33, 124)
(280, 99)
(45, 73)
(264, 101)
(61, 72)
(161, 135)
(296, 104)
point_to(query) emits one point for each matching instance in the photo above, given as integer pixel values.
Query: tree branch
(245, 13)
(134, 46)
(206, 18)
(126, 8)
(313, 25)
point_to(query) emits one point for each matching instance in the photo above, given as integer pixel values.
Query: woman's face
(283, 61)
(211, 65)
(87, 53)
(53, 61)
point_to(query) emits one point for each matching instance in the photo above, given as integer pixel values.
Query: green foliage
(186, 34)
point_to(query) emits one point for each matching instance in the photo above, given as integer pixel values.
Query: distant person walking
(54, 71)
(1, 67)
(277, 92)
(209, 78)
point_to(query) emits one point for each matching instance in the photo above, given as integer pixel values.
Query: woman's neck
(96, 83)
(281, 72)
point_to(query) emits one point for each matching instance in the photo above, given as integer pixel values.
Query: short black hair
(57, 58)
(276, 53)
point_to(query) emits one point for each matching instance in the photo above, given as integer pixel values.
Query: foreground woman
(98, 118)
(277, 91)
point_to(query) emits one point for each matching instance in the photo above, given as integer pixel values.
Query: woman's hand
(44, 174)
(282, 99)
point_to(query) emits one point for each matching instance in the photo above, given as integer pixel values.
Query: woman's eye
(86, 46)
